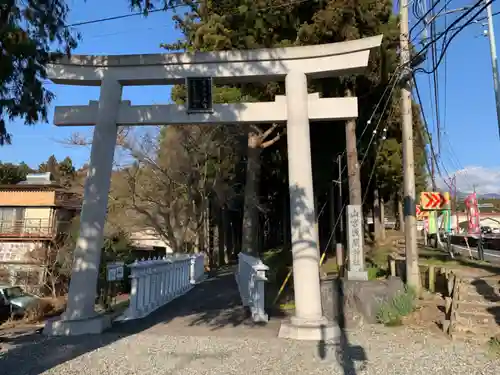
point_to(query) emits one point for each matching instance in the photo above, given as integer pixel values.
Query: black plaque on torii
(199, 95)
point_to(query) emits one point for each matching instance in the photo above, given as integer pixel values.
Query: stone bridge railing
(156, 282)
(251, 279)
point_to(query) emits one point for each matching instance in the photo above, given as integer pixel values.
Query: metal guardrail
(467, 245)
(30, 228)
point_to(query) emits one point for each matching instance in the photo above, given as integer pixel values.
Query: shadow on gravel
(490, 293)
(214, 304)
(345, 354)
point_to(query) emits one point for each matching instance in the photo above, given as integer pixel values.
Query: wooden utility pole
(352, 160)
(339, 247)
(340, 202)
(412, 271)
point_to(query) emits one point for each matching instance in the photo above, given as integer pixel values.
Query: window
(13, 292)
(11, 218)
(11, 213)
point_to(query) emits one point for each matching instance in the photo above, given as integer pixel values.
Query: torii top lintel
(317, 61)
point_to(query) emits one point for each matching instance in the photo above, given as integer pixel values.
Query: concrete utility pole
(412, 271)
(494, 62)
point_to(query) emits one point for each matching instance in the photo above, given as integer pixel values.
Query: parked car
(17, 299)
(486, 230)
(4, 309)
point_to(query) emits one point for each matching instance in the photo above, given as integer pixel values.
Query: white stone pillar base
(62, 327)
(301, 329)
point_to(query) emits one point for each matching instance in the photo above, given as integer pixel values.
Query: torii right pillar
(308, 323)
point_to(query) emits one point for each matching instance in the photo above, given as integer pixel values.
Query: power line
(458, 30)
(435, 79)
(435, 15)
(426, 128)
(173, 7)
(114, 18)
(449, 28)
(422, 18)
(445, 80)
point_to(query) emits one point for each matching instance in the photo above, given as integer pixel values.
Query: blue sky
(471, 140)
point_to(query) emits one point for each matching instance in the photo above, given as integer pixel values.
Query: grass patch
(378, 256)
(279, 262)
(391, 312)
(287, 306)
(494, 346)
(330, 266)
(45, 308)
(375, 272)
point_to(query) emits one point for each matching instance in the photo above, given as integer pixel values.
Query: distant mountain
(461, 194)
(490, 196)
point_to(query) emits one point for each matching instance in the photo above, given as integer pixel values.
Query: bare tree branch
(274, 140)
(268, 132)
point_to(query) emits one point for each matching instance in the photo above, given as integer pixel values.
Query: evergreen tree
(244, 24)
(11, 174)
(32, 34)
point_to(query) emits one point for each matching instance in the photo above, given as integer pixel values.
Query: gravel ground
(199, 335)
(371, 350)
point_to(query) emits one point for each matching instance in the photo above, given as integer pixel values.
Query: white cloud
(486, 180)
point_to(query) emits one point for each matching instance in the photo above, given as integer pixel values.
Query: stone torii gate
(294, 65)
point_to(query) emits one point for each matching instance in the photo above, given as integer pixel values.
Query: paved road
(200, 335)
(492, 256)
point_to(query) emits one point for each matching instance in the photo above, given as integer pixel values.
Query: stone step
(474, 296)
(477, 319)
(484, 289)
(491, 278)
(478, 308)
(483, 331)
(493, 282)
(479, 337)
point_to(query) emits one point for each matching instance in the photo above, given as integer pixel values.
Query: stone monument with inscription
(355, 243)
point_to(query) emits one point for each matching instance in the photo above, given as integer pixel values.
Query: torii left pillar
(80, 316)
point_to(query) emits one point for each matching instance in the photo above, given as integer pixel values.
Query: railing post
(171, 272)
(147, 287)
(134, 303)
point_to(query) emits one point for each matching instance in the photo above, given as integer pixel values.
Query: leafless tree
(166, 178)
(258, 139)
(56, 258)
(174, 177)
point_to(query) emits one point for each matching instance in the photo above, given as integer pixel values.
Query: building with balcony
(33, 213)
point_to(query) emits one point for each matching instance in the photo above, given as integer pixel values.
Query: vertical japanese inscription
(355, 238)
(199, 94)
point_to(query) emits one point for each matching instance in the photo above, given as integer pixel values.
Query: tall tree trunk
(382, 219)
(202, 228)
(223, 236)
(209, 236)
(352, 160)
(376, 215)
(197, 243)
(251, 211)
